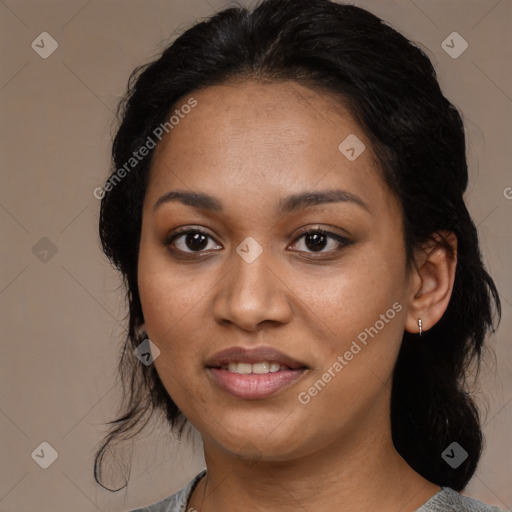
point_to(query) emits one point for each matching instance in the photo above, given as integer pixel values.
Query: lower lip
(255, 386)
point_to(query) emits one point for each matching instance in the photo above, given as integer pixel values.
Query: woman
(287, 213)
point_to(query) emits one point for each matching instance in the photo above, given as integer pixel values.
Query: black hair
(390, 86)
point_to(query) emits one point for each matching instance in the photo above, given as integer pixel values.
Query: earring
(419, 324)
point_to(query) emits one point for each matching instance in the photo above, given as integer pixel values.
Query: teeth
(258, 368)
(275, 367)
(244, 368)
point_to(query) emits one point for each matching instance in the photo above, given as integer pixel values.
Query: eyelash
(344, 242)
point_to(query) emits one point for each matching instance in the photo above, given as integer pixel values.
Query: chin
(279, 440)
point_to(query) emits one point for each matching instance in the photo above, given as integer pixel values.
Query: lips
(253, 356)
(252, 374)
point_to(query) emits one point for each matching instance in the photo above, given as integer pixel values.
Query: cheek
(361, 311)
(166, 293)
(173, 303)
(354, 294)
(165, 300)
(169, 306)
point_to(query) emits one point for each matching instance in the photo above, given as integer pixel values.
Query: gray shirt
(446, 500)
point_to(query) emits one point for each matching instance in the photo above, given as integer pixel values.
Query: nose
(252, 295)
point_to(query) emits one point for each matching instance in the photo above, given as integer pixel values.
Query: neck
(358, 471)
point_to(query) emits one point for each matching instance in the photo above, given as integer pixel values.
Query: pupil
(197, 241)
(317, 241)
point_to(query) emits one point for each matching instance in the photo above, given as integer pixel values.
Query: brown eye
(316, 240)
(191, 240)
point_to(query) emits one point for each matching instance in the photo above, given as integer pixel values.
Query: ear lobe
(432, 283)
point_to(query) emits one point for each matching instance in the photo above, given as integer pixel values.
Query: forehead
(264, 139)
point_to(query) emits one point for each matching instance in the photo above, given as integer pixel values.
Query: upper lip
(253, 355)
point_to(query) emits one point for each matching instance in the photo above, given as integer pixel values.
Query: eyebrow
(285, 206)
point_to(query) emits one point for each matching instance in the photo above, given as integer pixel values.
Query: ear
(431, 281)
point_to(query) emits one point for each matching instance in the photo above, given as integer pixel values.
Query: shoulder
(448, 500)
(177, 502)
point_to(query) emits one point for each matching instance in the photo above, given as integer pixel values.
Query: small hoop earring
(419, 324)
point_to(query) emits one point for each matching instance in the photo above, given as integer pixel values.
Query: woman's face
(255, 280)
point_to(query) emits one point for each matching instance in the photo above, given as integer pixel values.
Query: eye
(316, 240)
(195, 240)
(190, 240)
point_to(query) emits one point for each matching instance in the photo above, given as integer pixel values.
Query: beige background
(62, 319)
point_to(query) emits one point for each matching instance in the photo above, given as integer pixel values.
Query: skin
(250, 145)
